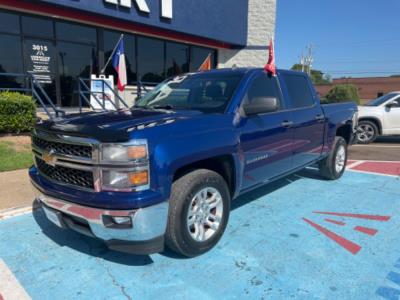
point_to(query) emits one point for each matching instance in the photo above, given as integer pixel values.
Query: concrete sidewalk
(15, 189)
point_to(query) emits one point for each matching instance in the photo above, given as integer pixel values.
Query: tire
(367, 132)
(334, 165)
(187, 192)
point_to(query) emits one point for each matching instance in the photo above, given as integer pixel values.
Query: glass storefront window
(75, 60)
(10, 60)
(198, 56)
(177, 59)
(9, 23)
(150, 59)
(73, 49)
(76, 33)
(37, 27)
(110, 40)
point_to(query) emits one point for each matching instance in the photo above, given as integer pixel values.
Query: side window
(398, 101)
(299, 91)
(263, 86)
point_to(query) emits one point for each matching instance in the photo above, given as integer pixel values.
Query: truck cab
(165, 171)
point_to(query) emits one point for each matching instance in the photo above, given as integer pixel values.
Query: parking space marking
(374, 167)
(345, 243)
(340, 223)
(268, 251)
(366, 230)
(350, 246)
(359, 216)
(352, 164)
(387, 168)
(10, 288)
(376, 146)
(13, 212)
(391, 293)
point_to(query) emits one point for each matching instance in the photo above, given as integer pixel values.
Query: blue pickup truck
(164, 172)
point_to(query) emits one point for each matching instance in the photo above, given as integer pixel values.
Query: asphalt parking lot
(384, 149)
(301, 237)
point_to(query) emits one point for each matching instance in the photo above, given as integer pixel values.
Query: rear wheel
(334, 165)
(367, 132)
(199, 212)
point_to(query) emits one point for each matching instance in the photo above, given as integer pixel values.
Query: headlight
(115, 180)
(137, 150)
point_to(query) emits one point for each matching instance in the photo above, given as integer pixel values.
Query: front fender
(170, 156)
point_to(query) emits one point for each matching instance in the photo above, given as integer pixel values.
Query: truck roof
(249, 69)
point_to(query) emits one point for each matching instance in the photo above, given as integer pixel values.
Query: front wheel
(333, 166)
(199, 212)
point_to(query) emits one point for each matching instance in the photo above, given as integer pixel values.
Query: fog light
(117, 222)
(122, 220)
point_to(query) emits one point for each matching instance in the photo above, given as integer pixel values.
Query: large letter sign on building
(166, 6)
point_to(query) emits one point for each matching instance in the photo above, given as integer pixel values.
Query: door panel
(308, 135)
(308, 117)
(266, 146)
(392, 119)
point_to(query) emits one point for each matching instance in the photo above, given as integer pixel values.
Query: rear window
(299, 91)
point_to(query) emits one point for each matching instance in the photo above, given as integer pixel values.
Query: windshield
(209, 93)
(380, 100)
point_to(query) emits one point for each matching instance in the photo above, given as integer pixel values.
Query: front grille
(63, 148)
(66, 175)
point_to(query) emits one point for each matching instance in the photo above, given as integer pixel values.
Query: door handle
(320, 117)
(287, 124)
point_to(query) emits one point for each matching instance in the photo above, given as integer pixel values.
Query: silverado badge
(49, 158)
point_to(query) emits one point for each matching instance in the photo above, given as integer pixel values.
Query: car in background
(379, 117)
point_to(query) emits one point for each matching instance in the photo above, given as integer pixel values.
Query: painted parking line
(10, 288)
(390, 168)
(14, 212)
(377, 146)
(268, 250)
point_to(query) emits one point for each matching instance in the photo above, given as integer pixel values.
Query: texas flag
(119, 65)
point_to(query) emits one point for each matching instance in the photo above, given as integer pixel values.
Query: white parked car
(379, 117)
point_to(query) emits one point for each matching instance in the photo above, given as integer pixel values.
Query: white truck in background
(379, 117)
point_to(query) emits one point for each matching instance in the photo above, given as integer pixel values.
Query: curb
(16, 211)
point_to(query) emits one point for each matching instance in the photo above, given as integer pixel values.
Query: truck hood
(114, 126)
(369, 110)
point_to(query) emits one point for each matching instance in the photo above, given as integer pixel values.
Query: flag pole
(112, 54)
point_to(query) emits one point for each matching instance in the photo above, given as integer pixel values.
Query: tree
(343, 93)
(317, 77)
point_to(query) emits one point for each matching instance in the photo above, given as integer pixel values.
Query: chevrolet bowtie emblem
(49, 158)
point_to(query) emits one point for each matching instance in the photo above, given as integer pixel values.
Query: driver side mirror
(261, 105)
(392, 104)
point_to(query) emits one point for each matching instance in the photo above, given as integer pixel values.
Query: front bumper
(145, 235)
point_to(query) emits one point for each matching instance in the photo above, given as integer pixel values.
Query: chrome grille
(66, 175)
(84, 151)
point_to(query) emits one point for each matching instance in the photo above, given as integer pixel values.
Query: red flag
(270, 66)
(206, 65)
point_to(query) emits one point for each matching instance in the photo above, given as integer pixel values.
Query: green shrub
(343, 93)
(17, 112)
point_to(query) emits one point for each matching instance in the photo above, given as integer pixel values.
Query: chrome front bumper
(144, 236)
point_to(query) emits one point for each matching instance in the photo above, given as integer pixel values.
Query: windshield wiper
(166, 106)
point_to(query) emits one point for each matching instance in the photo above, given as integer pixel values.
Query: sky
(351, 38)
